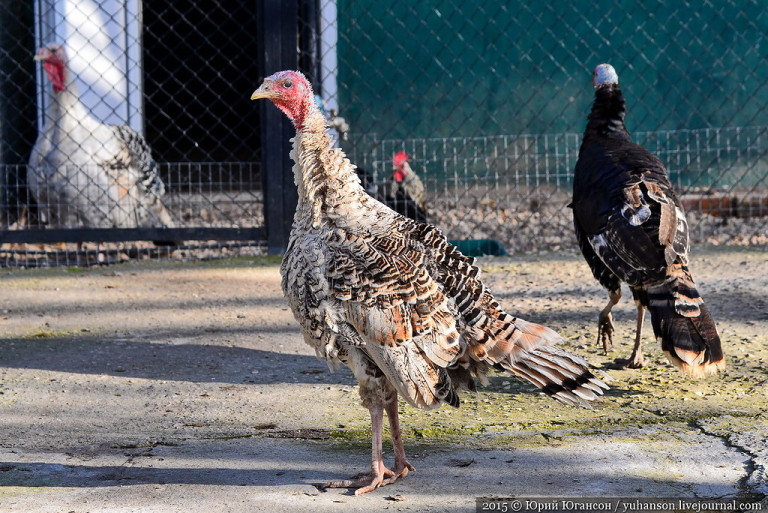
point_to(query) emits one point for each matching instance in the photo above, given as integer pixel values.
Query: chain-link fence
(76, 191)
(488, 100)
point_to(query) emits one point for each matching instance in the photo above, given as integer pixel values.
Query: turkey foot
(605, 331)
(401, 470)
(636, 361)
(367, 482)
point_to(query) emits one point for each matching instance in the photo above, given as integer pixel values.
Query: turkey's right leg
(605, 321)
(636, 360)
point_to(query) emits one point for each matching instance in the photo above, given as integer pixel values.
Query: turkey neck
(329, 189)
(607, 116)
(65, 110)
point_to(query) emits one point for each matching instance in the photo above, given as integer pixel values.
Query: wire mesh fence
(107, 77)
(516, 188)
(487, 100)
(216, 198)
(491, 100)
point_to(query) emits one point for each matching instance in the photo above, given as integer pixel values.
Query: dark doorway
(201, 66)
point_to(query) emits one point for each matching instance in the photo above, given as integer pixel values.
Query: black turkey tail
(682, 322)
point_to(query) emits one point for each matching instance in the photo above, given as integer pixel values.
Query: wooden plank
(731, 205)
(130, 234)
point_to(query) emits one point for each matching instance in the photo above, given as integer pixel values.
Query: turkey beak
(42, 55)
(265, 91)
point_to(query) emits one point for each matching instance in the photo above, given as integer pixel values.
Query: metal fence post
(278, 36)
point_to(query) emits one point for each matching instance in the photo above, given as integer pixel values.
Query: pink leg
(402, 467)
(369, 482)
(636, 360)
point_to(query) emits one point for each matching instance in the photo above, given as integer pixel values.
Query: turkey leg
(402, 467)
(380, 475)
(605, 321)
(368, 482)
(636, 360)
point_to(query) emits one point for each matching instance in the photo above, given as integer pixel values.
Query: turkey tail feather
(558, 373)
(523, 348)
(687, 331)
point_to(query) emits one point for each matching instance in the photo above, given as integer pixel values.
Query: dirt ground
(180, 386)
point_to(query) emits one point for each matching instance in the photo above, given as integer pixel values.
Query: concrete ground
(186, 387)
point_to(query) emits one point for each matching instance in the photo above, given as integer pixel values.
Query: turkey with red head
(631, 228)
(85, 173)
(404, 192)
(391, 299)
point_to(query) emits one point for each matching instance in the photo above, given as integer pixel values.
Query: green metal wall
(442, 68)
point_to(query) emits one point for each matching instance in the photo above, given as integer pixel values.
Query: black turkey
(404, 192)
(631, 228)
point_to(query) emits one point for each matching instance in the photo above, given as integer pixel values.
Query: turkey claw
(398, 473)
(369, 481)
(605, 332)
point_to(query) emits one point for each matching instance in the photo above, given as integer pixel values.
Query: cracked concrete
(186, 387)
(748, 436)
(278, 475)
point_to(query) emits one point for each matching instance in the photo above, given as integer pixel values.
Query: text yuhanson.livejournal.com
(617, 505)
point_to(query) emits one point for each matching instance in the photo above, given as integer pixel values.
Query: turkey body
(86, 173)
(391, 299)
(353, 272)
(631, 228)
(359, 280)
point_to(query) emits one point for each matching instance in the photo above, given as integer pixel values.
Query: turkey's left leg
(402, 467)
(605, 327)
(636, 360)
(368, 482)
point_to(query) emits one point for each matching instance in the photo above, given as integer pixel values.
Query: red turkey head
(54, 61)
(398, 163)
(291, 92)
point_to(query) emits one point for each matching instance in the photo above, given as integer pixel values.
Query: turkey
(85, 173)
(391, 299)
(631, 228)
(404, 193)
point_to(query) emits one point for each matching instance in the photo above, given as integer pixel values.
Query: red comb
(401, 157)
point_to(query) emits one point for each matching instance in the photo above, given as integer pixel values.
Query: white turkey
(392, 299)
(631, 228)
(85, 173)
